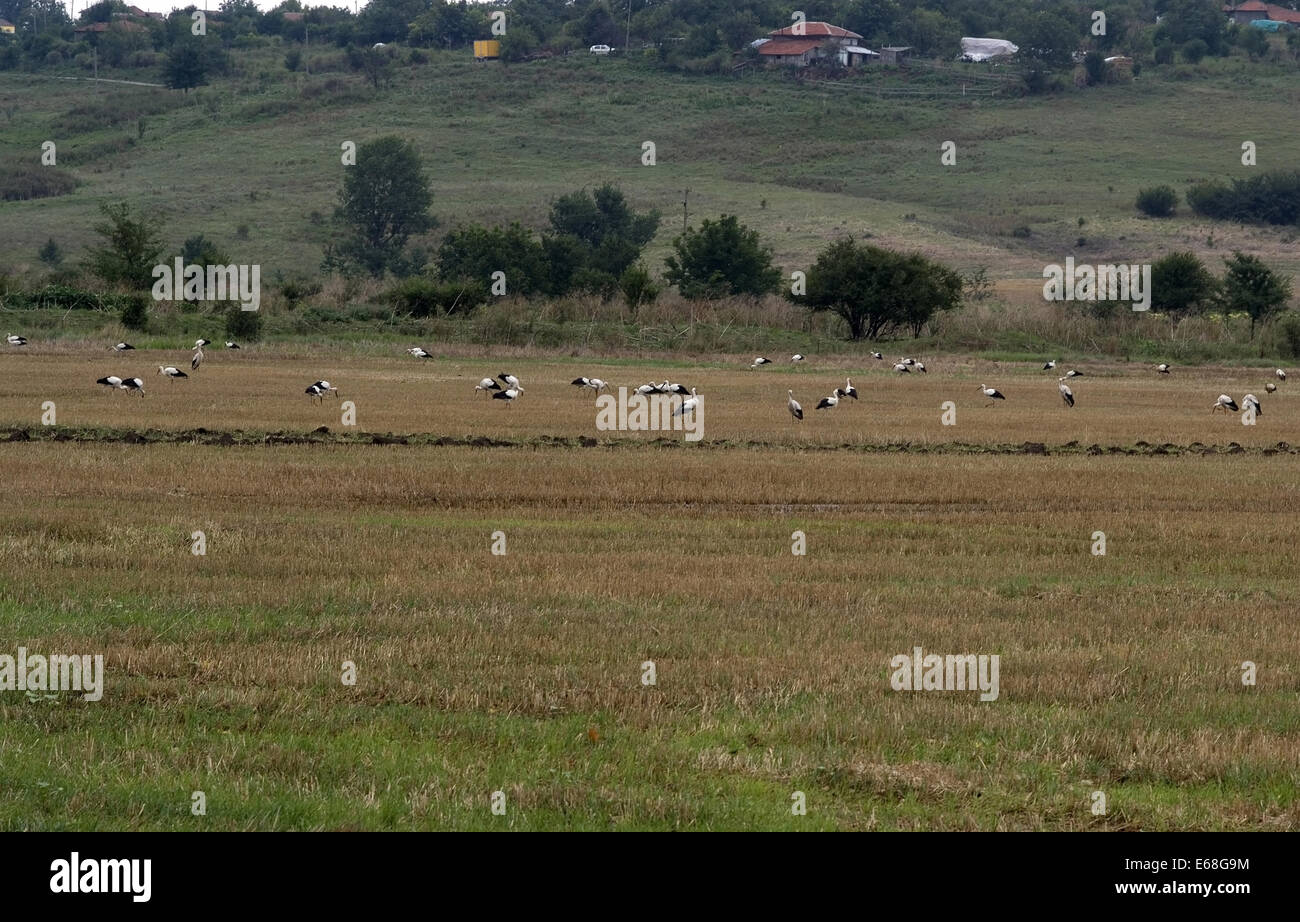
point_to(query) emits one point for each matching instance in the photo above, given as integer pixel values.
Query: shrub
(242, 324)
(1288, 335)
(1164, 53)
(27, 181)
(424, 297)
(1158, 201)
(1194, 50)
(135, 312)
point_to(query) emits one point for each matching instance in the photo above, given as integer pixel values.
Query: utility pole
(306, 44)
(685, 195)
(627, 41)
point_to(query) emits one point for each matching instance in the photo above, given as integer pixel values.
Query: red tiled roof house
(803, 43)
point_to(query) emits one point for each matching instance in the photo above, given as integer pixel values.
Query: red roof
(1250, 6)
(823, 29)
(1280, 14)
(785, 46)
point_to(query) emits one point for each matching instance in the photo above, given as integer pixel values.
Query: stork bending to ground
(1163, 368)
(509, 395)
(509, 380)
(112, 381)
(596, 384)
(133, 384)
(1224, 403)
(420, 353)
(797, 357)
(123, 347)
(326, 388)
(760, 361)
(1250, 400)
(487, 384)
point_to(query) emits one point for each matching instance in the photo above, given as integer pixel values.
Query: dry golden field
(523, 672)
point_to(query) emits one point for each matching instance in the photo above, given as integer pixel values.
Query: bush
(27, 181)
(721, 258)
(637, 287)
(1094, 65)
(242, 324)
(1288, 335)
(135, 312)
(1164, 53)
(1194, 50)
(423, 297)
(1157, 202)
(1267, 198)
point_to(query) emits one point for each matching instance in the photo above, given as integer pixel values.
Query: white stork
(827, 403)
(902, 368)
(797, 357)
(596, 384)
(669, 387)
(877, 356)
(920, 366)
(171, 371)
(509, 394)
(231, 344)
(1250, 400)
(315, 392)
(133, 384)
(326, 388)
(111, 381)
(646, 390)
(1224, 403)
(420, 353)
(1050, 365)
(123, 347)
(760, 361)
(509, 380)
(849, 390)
(487, 384)
(1066, 394)
(15, 340)
(197, 360)
(689, 405)
(1162, 368)
(1074, 374)
(1281, 375)
(992, 393)
(795, 410)
(1270, 387)
(200, 343)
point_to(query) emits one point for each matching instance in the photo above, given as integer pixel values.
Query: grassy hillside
(260, 149)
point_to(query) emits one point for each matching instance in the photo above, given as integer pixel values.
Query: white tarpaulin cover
(981, 49)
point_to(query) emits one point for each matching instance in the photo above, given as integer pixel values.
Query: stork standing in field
(760, 361)
(992, 393)
(689, 405)
(123, 347)
(487, 384)
(1163, 368)
(231, 344)
(1074, 374)
(510, 394)
(420, 353)
(1066, 394)
(849, 390)
(326, 388)
(645, 390)
(14, 340)
(595, 384)
(1281, 375)
(197, 360)
(1224, 403)
(1250, 400)
(902, 368)
(877, 356)
(669, 387)
(920, 366)
(171, 371)
(112, 381)
(795, 410)
(797, 357)
(133, 384)
(200, 343)
(1050, 365)
(1270, 387)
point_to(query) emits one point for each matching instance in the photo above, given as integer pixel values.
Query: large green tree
(384, 200)
(1252, 287)
(130, 249)
(721, 258)
(1180, 284)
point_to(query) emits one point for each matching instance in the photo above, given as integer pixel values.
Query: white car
(601, 49)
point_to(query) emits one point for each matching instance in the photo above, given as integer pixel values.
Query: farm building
(895, 54)
(1254, 10)
(803, 43)
(6, 27)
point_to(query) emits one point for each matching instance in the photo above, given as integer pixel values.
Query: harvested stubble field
(523, 673)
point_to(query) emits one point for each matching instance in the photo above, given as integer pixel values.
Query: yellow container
(487, 49)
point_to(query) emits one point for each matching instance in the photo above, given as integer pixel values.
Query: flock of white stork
(507, 387)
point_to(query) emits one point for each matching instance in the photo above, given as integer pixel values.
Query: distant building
(293, 17)
(1251, 10)
(804, 43)
(895, 54)
(6, 27)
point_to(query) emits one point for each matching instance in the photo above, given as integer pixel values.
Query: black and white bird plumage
(1162, 368)
(1050, 365)
(992, 393)
(487, 384)
(326, 388)
(920, 366)
(797, 357)
(171, 371)
(231, 344)
(596, 384)
(123, 347)
(689, 405)
(315, 392)
(1281, 375)
(197, 360)
(1270, 387)
(1067, 395)
(420, 353)
(793, 405)
(133, 384)
(849, 390)
(902, 368)
(670, 387)
(1224, 403)
(1250, 400)
(111, 381)
(645, 390)
(827, 403)
(878, 356)
(510, 394)
(760, 361)
(509, 380)
(15, 340)
(1074, 374)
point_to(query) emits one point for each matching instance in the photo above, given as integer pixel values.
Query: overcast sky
(166, 6)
